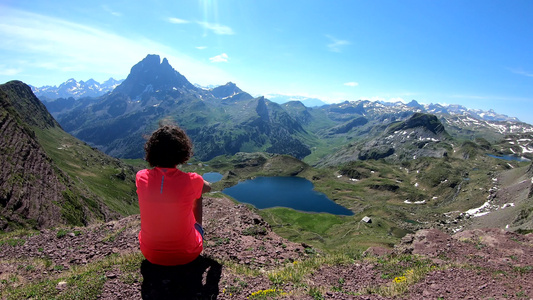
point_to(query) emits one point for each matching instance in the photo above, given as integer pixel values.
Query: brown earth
(475, 264)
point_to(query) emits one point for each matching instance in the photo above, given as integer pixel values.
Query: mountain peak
(427, 121)
(150, 59)
(28, 107)
(152, 75)
(91, 82)
(415, 104)
(227, 90)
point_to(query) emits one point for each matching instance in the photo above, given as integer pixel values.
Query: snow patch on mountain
(73, 88)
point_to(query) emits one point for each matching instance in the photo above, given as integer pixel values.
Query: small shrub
(59, 267)
(61, 233)
(315, 293)
(255, 230)
(310, 250)
(13, 242)
(523, 270)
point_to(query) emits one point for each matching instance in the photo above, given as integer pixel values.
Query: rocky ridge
(26, 171)
(421, 135)
(34, 191)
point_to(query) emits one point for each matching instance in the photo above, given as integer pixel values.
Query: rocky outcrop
(421, 135)
(30, 186)
(427, 121)
(34, 191)
(224, 91)
(18, 98)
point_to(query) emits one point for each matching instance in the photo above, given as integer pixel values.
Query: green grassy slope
(107, 178)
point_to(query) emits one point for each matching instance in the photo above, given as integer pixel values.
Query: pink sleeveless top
(166, 198)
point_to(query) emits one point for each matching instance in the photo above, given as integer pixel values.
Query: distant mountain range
(225, 120)
(92, 88)
(75, 89)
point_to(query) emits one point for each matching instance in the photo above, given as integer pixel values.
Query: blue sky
(475, 53)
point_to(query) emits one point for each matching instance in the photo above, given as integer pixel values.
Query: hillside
(243, 258)
(421, 135)
(509, 205)
(50, 178)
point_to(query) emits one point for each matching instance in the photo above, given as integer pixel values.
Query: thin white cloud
(352, 83)
(201, 47)
(491, 97)
(384, 99)
(110, 11)
(47, 51)
(471, 97)
(336, 45)
(219, 58)
(375, 98)
(397, 99)
(177, 21)
(8, 71)
(217, 28)
(522, 72)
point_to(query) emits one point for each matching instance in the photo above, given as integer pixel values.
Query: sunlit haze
(474, 53)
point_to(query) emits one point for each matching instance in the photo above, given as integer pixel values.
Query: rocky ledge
(243, 258)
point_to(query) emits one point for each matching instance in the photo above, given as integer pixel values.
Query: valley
(421, 194)
(405, 166)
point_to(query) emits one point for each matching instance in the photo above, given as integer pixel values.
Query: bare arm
(206, 188)
(197, 207)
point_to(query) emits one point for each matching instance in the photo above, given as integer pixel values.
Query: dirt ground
(475, 264)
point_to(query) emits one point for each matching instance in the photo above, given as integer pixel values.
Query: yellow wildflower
(400, 279)
(264, 293)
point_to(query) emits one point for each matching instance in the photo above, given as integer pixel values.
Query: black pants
(181, 282)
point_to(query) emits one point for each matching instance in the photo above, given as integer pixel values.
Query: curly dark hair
(167, 147)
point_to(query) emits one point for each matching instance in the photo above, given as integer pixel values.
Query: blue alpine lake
(212, 177)
(292, 192)
(509, 157)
